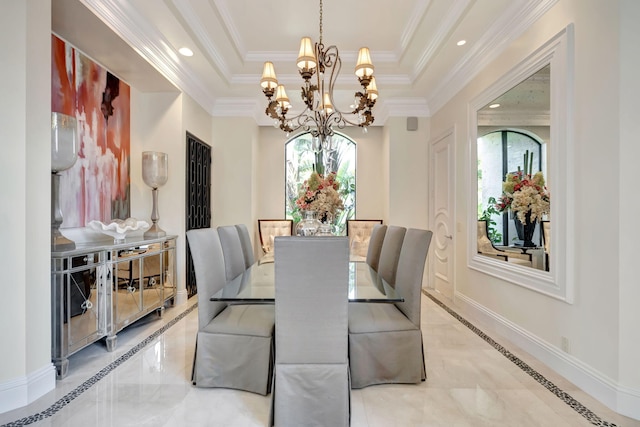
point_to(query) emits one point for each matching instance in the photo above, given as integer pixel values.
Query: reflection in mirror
(513, 138)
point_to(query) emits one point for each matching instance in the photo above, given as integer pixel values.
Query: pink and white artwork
(97, 186)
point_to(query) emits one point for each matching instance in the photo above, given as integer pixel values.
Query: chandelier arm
(336, 65)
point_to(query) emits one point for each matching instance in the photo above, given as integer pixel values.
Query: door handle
(448, 236)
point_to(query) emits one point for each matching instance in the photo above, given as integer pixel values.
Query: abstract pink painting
(97, 186)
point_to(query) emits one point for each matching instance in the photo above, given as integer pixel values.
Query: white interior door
(441, 195)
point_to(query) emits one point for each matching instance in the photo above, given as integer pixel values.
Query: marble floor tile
(470, 383)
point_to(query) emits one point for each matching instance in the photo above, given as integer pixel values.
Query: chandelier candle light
(155, 172)
(64, 153)
(320, 113)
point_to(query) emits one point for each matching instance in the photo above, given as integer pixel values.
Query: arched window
(301, 160)
(501, 152)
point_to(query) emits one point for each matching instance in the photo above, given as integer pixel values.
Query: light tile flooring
(472, 381)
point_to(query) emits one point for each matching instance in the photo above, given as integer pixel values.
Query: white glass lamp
(155, 171)
(64, 153)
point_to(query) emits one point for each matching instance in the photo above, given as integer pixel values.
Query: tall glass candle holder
(64, 153)
(155, 172)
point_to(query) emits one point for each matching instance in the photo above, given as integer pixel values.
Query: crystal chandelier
(320, 114)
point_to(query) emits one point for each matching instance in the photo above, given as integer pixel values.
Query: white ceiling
(412, 42)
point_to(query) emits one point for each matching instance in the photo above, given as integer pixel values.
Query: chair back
(247, 247)
(312, 281)
(268, 229)
(546, 235)
(485, 245)
(359, 233)
(390, 253)
(413, 256)
(311, 374)
(208, 263)
(375, 245)
(232, 250)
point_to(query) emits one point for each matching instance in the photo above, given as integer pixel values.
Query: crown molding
(232, 29)
(522, 118)
(378, 57)
(150, 44)
(200, 31)
(417, 15)
(404, 107)
(127, 22)
(454, 14)
(507, 28)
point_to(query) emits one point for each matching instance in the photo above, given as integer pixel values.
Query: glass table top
(257, 284)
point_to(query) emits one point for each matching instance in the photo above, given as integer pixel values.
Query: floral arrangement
(523, 194)
(320, 194)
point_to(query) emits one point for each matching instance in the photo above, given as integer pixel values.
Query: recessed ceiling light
(185, 51)
(461, 42)
(494, 105)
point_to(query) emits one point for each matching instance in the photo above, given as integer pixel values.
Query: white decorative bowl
(118, 228)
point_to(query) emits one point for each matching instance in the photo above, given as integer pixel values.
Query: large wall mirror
(520, 134)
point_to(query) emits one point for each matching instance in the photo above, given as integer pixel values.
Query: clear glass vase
(326, 225)
(308, 225)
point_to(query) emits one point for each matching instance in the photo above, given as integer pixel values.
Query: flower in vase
(320, 194)
(523, 193)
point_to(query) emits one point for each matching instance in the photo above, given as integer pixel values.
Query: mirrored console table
(99, 288)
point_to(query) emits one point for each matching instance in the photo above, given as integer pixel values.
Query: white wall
(26, 371)
(408, 173)
(233, 150)
(593, 323)
(629, 295)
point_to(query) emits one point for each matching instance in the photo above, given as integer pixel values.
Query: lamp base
(154, 231)
(59, 242)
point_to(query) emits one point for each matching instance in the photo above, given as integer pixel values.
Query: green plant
(491, 210)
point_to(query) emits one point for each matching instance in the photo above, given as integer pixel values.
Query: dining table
(257, 284)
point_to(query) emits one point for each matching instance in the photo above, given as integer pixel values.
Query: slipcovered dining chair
(390, 252)
(375, 245)
(234, 343)
(359, 233)
(385, 340)
(247, 247)
(234, 263)
(311, 374)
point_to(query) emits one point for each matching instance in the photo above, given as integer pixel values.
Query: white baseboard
(22, 391)
(621, 399)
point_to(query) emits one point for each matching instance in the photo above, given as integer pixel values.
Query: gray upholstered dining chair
(311, 374)
(390, 252)
(385, 340)
(234, 263)
(234, 344)
(247, 247)
(375, 245)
